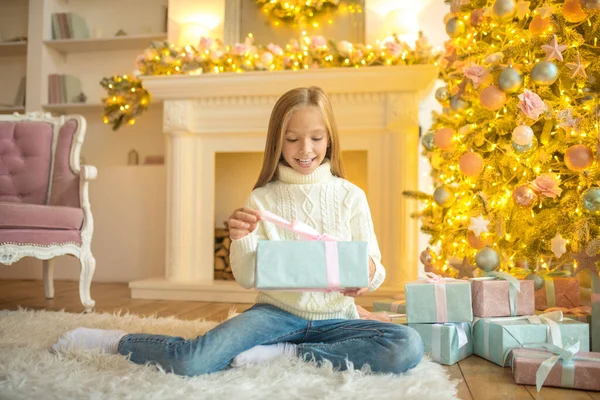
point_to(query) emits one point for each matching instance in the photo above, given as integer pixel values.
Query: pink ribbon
(307, 232)
(595, 297)
(439, 286)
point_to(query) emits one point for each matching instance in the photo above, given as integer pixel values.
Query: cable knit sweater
(329, 204)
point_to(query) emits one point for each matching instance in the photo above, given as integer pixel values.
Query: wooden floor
(480, 379)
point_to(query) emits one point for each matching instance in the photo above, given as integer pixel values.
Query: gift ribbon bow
(436, 339)
(307, 232)
(441, 307)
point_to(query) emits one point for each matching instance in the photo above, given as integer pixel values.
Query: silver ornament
(427, 141)
(444, 196)
(426, 258)
(527, 148)
(590, 200)
(510, 80)
(487, 259)
(457, 104)
(544, 73)
(455, 27)
(504, 9)
(442, 94)
(538, 280)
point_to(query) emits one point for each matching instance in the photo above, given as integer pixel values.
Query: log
(227, 243)
(222, 252)
(220, 264)
(221, 233)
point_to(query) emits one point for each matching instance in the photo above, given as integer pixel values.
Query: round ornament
(475, 242)
(544, 73)
(504, 9)
(579, 158)
(442, 94)
(427, 141)
(443, 138)
(471, 163)
(573, 12)
(457, 104)
(510, 80)
(524, 196)
(426, 258)
(590, 6)
(590, 200)
(455, 27)
(444, 196)
(522, 135)
(487, 259)
(539, 25)
(492, 98)
(525, 149)
(538, 280)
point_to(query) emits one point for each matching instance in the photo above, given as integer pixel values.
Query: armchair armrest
(87, 173)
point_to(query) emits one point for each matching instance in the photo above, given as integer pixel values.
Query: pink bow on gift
(309, 233)
(441, 308)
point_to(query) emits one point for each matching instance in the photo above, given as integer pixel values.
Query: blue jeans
(387, 348)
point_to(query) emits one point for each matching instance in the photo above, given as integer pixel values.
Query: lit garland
(212, 56)
(296, 11)
(515, 152)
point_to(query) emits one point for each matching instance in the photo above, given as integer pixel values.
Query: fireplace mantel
(376, 111)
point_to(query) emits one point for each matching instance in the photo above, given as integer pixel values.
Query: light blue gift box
(421, 302)
(496, 337)
(301, 265)
(390, 305)
(441, 341)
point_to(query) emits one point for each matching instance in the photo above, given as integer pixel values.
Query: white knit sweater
(329, 204)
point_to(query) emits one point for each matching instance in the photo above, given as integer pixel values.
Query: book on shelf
(63, 89)
(69, 26)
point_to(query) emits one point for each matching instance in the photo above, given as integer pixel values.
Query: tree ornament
(427, 259)
(590, 6)
(471, 163)
(544, 73)
(478, 225)
(464, 268)
(487, 259)
(442, 95)
(524, 196)
(476, 242)
(545, 10)
(443, 138)
(492, 98)
(427, 141)
(538, 280)
(510, 80)
(458, 104)
(455, 27)
(523, 9)
(476, 17)
(578, 67)
(522, 135)
(539, 25)
(553, 49)
(504, 9)
(558, 245)
(444, 196)
(519, 149)
(590, 200)
(573, 12)
(579, 157)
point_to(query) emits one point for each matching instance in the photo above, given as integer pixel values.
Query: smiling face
(305, 140)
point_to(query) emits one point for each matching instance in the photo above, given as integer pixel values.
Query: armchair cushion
(35, 216)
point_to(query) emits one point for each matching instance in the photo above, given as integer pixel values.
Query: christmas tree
(515, 152)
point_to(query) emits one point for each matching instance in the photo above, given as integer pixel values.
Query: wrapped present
(446, 343)
(438, 299)
(581, 313)
(558, 292)
(595, 327)
(494, 338)
(505, 297)
(391, 305)
(317, 263)
(553, 366)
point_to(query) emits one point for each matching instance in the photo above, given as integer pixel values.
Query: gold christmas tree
(515, 152)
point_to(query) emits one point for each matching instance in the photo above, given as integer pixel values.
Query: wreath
(294, 11)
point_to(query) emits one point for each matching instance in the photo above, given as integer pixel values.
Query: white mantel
(376, 111)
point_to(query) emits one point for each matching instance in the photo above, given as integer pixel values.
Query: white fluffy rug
(29, 371)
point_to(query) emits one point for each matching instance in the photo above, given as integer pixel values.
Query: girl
(301, 178)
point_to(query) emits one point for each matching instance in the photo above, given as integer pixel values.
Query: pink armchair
(44, 202)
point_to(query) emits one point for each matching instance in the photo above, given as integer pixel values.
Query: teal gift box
(306, 265)
(494, 338)
(390, 305)
(438, 302)
(447, 343)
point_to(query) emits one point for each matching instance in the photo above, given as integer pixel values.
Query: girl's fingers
(236, 223)
(244, 216)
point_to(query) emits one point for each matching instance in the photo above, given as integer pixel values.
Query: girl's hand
(359, 292)
(242, 222)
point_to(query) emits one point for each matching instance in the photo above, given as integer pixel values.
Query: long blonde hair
(285, 107)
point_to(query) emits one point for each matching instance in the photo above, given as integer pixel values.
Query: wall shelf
(10, 49)
(72, 108)
(11, 109)
(135, 42)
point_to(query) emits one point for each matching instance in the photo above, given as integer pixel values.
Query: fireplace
(206, 116)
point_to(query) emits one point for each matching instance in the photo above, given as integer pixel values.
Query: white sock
(88, 339)
(259, 354)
